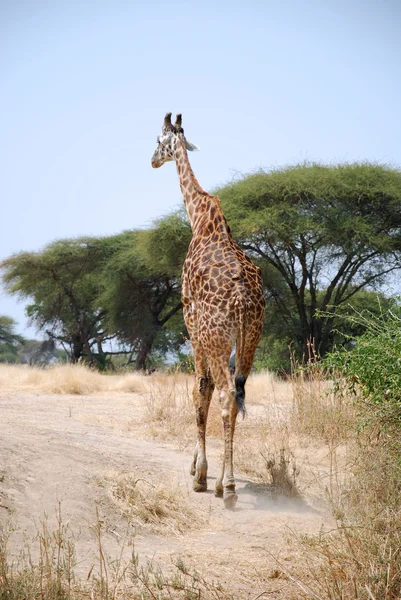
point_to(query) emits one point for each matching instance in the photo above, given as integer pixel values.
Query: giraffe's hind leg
(219, 365)
(225, 483)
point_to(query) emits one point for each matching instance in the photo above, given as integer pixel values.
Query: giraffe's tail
(240, 379)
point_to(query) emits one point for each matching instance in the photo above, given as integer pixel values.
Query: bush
(360, 558)
(372, 368)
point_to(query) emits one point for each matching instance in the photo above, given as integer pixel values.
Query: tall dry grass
(359, 557)
(65, 379)
(318, 411)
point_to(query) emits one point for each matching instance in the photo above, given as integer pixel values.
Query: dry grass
(359, 558)
(151, 505)
(318, 411)
(51, 576)
(170, 412)
(267, 389)
(64, 379)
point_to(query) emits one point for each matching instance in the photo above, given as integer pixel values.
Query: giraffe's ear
(191, 146)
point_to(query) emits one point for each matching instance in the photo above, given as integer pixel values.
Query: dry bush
(263, 452)
(63, 379)
(358, 559)
(128, 383)
(282, 469)
(158, 507)
(267, 389)
(51, 577)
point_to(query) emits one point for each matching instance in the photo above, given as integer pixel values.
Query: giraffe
(223, 305)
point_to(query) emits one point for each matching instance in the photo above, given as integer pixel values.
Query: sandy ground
(56, 449)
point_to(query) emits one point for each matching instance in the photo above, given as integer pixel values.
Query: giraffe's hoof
(230, 501)
(200, 486)
(218, 491)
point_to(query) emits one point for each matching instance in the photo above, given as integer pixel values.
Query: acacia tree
(142, 288)
(328, 231)
(63, 282)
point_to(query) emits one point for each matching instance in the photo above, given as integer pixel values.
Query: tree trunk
(145, 347)
(77, 348)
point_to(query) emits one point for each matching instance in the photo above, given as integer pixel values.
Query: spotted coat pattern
(223, 304)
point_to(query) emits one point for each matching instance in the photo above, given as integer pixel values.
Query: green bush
(372, 368)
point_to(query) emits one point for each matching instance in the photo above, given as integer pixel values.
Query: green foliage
(164, 246)
(273, 354)
(10, 342)
(139, 301)
(373, 366)
(278, 350)
(327, 231)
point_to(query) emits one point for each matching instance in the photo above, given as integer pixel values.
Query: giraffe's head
(168, 141)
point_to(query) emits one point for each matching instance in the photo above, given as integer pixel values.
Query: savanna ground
(96, 498)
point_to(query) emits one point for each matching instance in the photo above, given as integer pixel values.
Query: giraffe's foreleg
(193, 464)
(203, 389)
(202, 395)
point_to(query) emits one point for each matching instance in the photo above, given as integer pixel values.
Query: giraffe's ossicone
(223, 304)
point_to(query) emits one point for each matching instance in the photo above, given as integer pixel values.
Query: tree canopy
(328, 231)
(88, 291)
(62, 280)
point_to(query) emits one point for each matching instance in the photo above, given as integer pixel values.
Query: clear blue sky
(84, 87)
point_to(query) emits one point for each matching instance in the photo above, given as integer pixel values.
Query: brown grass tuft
(158, 507)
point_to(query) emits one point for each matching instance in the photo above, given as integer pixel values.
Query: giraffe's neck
(199, 204)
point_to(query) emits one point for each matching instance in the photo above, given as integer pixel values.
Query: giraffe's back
(226, 289)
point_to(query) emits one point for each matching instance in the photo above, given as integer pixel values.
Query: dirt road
(58, 449)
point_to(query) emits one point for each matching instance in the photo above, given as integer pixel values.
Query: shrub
(372, 368)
